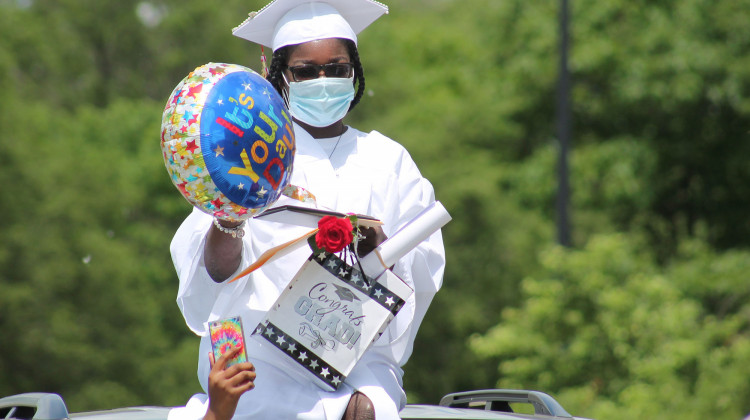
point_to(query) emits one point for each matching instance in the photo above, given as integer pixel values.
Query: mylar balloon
(227, 141)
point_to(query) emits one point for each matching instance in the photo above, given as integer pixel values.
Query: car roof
(434, 412)
(471, 405)
(135, 413)
(410, 412)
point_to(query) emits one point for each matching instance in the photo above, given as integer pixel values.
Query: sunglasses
(312, 71)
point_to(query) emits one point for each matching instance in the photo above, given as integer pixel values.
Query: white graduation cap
(289, 22)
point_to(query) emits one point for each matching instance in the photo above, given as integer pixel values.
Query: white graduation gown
(368, 173)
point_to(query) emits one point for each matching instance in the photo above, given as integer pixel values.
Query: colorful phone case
(225, 334)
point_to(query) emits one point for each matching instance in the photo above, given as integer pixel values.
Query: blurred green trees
(620, 337)
(645, 317)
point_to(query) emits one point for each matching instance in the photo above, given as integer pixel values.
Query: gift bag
(336, 306)
(329, 315)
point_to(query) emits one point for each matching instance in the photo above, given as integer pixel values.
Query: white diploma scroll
(407, 238)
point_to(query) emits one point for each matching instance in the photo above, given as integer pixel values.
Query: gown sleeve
(422, 268)
(198, 293)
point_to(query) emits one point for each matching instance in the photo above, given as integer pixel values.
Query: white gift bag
(332, 311)
(329, 315)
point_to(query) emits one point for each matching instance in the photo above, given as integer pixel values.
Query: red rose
(334, 234)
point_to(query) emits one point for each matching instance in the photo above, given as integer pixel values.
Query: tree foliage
(609, 329)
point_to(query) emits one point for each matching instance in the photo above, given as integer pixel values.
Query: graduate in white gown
(316, 68)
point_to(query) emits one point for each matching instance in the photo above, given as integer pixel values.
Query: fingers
(241, 380)
(234, 380)
(236, 383)
(236, 374)
(373, 236)
(221, 364)
(242, 371)
(237, 367)
(245, 386)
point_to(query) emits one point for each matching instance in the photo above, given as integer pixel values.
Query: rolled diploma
(407, 238)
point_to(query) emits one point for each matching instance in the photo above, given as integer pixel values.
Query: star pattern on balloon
(181, 187)
(176, 98)
(216, 70)
(191, 146)
(194, 90)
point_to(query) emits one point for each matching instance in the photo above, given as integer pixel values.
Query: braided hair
(281, 58)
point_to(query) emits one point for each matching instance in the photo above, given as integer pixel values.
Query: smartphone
(225, 334)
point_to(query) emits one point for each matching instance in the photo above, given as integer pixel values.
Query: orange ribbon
(277, 251)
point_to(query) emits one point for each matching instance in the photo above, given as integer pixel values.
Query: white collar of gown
(329, 179)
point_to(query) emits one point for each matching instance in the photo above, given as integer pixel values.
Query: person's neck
(336, 129)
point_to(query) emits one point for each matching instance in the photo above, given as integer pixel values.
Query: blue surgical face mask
(320, 102)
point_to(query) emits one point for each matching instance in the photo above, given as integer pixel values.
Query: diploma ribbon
(275, 252)
(314, 335)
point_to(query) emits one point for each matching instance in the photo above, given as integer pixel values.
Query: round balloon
(227, 141)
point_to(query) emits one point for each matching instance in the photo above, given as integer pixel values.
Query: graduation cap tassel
(263, 62)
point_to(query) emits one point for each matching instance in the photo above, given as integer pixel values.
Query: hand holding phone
(226, 334)
(226, 385)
